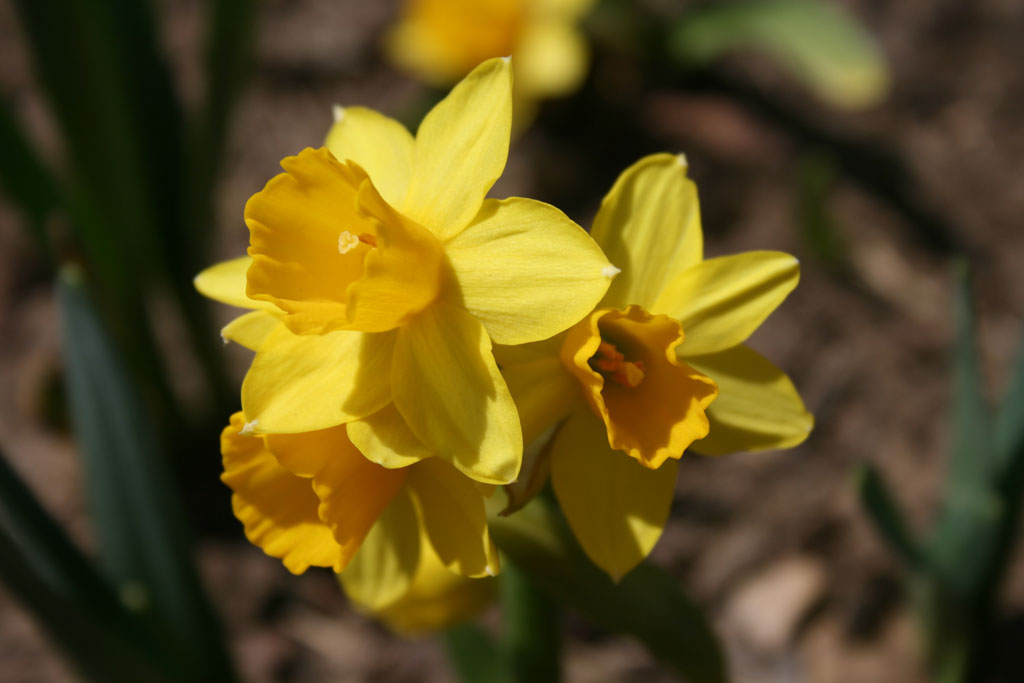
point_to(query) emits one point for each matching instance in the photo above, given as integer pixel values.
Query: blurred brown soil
(774, 544)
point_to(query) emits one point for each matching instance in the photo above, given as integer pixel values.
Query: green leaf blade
(138, 519)
(815, 39)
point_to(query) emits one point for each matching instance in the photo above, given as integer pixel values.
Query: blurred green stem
(533, 635)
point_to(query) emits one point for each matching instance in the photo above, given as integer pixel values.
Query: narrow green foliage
(1010, 421)
(961, 567)
(143, 546)
(24, 177)
(884, 510)
(815, 39)
(647, 604)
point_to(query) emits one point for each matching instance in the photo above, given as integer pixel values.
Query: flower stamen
(347, 241)
(613, 365)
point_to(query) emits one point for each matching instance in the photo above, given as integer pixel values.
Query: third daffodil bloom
(313, 500)
(379, 275)
(657, 368)
(435, 598)
(441, 40)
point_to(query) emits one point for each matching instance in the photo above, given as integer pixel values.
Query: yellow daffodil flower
(379, 275)
(441, 40)
(313, 500)
(435, 599)
(633, 390)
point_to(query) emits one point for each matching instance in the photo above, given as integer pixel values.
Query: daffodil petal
(302, 383)
(757, 406)
(401, 276)
(295, 226)
(277, 509)
(225, 282)
(385, 438)
(526, 271)
(551, 58)
(447, 386)
(544, 393)
(461, 149)
(383, 569)
(721, 301)
(454, 517)
(251, 329)
(352, 490)
(649, 226)
(381, 145)
(616, 507)
(438, 597)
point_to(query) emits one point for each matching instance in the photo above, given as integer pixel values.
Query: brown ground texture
(773, 544)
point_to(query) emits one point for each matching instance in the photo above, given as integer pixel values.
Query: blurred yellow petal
(721, 301)
(438, 597)
(757, 407)
(381, 145)
(385, 438)
(442, 40)
(526, 271)
(296, 224)
(353, 491)
(616, 507)
(454, 518)
(652, 404)
(225, 282)
(250, 330)
(383, 569)
(302, 383)
(551, 58)
(649, 226)
(461, 149)
(447, 387)
(277, 508)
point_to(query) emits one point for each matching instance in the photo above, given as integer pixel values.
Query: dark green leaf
(43, 546)
(1010, 419)
(888, 519)
(24, 177)
(647, 603)
(103, 648)
(967, 533)
(138, 519)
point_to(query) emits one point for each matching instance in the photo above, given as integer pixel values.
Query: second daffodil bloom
(313, 500)
(379, 275)
(657, 368)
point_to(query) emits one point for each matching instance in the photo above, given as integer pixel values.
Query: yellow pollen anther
(613, 365)
(347, 241)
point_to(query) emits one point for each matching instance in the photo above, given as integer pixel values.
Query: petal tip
(681, 160)
(610, 271)
(507, 59)
(249, 428)
(338, 112)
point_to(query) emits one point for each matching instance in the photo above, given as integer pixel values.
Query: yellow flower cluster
(377, 416)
